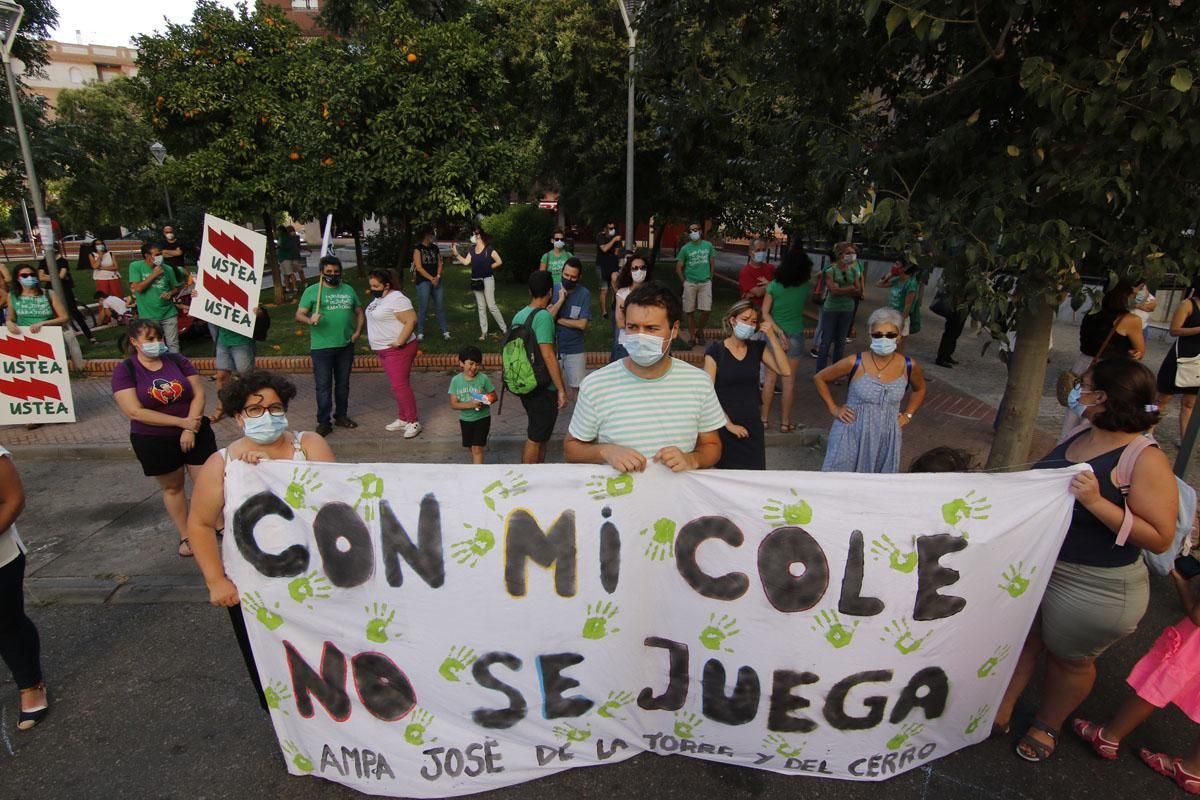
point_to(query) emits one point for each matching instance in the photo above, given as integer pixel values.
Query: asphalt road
(150, 698)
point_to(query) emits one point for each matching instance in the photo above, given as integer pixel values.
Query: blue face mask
(265, 429)
(694, 235)
(760, 256)
(645, 349)
(1075, 404)
(154, 349)
(883, 346)
(743, 330)
(28, 282)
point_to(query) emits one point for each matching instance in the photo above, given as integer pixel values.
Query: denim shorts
(235, 358)
(796, 344)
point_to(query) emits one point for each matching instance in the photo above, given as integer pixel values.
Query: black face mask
(377, 294)
(569, 284)
(333, 280)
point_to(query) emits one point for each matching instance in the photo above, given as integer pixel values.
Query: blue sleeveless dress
(872, 442)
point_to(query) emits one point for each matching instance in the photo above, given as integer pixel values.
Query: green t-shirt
(837, 276)
(697, 257)
(336, 323)
(287, 248)
(32, 309)
(543, 327)
(900, 290)
(462, 388)
(149, 301)
(228, 338)
(787, 305)
(555, 263)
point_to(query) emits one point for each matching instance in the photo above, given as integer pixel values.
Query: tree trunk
(272, 261)
(1023, 390)
(358, 253)
(406, 247)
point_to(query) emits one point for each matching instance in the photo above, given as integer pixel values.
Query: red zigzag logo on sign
(18, 346)
(226, 290)
(31, 389)
(231, 247)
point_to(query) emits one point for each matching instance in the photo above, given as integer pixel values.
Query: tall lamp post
(629, 9)
(10, 21)
(160, 155)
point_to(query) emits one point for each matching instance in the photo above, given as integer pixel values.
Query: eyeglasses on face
(275, 410)
(882, 335)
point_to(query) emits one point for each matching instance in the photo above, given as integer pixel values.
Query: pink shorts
(1170, 670)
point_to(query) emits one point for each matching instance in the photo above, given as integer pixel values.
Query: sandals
(787, 428)
(1031, 749)
(1090, 732)
(185, 548)
(30, 718)
(1172, 768)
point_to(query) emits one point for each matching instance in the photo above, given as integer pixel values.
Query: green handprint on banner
(904, 734)
(781, 746)
(615, 700)
(418, 723)
(275, 693)
(512, 484)
(1015, 582)
(381, 618)
(599, 615)
(570, 733)
(686, 724)
(303, 484)
(834, 631)
(310, 587)
(797, 512)
(253, 602)
(961, 509)
(469, 551)
(602, 487)
(902, 637)
(662, 540)
(372, 491)
(718, 630)
(458, 659)
(897, 560)
(302, 761)
(976, 718)
(993, 661)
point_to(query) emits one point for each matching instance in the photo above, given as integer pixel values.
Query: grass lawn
(287, 337)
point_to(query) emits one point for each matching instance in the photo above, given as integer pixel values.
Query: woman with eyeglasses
(258, 401)
(163, 396)
(866, 434)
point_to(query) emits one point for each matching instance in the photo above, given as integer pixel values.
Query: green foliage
(521, 234)
(385, 249)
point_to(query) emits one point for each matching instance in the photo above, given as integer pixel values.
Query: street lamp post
(10, 21)
(160, 155)
(628, 16)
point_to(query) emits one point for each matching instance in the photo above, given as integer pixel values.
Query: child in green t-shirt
(471, 395)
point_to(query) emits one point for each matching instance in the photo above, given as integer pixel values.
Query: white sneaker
(446, 335)
(395, 426)
(411, 429)
(420, 337)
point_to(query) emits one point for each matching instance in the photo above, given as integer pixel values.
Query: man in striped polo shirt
(647, 406)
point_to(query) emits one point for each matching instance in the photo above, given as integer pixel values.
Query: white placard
(34, 384)
(229, 275)
(434, 630)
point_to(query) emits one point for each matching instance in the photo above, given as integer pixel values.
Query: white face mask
(638, 275)
(848, 258)
(474, 239)
(559, 244)
(158, 261)
(645, 349)
(694, 235)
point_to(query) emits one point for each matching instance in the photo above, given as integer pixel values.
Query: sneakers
(813, 352)
(395, 426)
(411, 430)
(324, 429)
(420, 337)
(344, 422)
(446, 335)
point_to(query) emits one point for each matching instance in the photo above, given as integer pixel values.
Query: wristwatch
(907, 414)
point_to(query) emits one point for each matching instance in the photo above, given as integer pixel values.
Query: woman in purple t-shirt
(163, 397)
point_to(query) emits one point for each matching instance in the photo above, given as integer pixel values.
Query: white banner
(34, 383)
(229, 275)
(435, 630)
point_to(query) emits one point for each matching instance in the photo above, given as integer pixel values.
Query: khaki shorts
(1087, 610)
(574, 368)
(292, 266)
(697, 296)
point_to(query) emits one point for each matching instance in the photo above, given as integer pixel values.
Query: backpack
(1185, 520)
(523, 369)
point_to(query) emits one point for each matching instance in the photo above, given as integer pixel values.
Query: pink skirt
(1170, 671)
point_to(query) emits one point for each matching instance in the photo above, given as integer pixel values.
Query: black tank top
(1095, 328)
(1089, 541)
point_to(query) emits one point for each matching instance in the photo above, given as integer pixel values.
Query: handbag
(941, 304)
(476, 284)
(1187, 370)
(1067, 378)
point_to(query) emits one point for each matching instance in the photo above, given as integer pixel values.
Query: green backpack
(522, 366)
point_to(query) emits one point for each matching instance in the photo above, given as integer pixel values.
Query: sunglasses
(878, 335)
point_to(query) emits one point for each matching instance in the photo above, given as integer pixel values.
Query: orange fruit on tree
(294, 156)
(411, 57)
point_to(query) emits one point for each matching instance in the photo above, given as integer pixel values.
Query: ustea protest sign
(435, 630)
(34, 383)
(229, 275)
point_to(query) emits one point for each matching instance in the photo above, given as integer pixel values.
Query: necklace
(878, 369)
